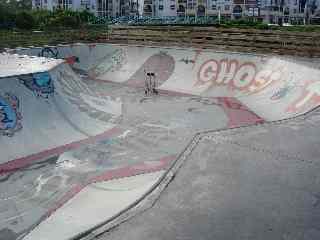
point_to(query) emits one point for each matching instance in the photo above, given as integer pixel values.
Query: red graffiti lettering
(244, 77)
(310, 97)
(71, 60)
(227, 70)
(208, 72)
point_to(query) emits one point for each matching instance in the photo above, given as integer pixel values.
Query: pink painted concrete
(18, 163)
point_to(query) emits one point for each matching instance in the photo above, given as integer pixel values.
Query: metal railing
(148, 20)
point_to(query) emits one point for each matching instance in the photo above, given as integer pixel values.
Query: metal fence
(145, 20)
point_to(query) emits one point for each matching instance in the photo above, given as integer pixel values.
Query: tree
(25, 20)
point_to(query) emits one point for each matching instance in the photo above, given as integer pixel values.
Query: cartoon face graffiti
(40, 83)
(10, 117)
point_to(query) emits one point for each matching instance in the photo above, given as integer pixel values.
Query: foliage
(19, 13)
(7, 18)
(24, 20)
(244, 23)
(14, 6)
(63, 19)
(67, 19)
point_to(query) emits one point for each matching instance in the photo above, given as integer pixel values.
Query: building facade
(103, 8)
(270, 11)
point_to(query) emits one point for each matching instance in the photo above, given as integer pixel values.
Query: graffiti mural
(308, 99)
(243, 77)
(72, 60)
(10, 116)
(187, 60)
(192, 61)
(281, 93)
(53, 52)
(39, 83)
(110, 62)
(49, 52)
(286, 88)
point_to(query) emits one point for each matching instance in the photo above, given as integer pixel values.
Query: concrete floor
(152, 128)
(260, 182)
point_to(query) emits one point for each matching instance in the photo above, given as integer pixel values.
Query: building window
(173, 7)
(161, 7)
(214, 7)
(226, 7)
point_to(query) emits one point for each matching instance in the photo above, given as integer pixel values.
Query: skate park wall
(57, 114)
(273, 87)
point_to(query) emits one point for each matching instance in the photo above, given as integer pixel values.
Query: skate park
(199, 143)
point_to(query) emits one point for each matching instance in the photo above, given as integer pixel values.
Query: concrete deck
(259, 182)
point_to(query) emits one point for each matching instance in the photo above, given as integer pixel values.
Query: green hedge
(42, 19)
(24, 20)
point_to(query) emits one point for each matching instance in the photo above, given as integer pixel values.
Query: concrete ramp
(273, 87)
(52, 105)
(79, 130)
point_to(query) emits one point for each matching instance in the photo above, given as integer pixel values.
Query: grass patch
(24, 38)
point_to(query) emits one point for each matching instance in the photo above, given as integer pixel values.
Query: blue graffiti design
(49, 52)
(281, 93)
(53, 52)
(41, 80)
(9, 115)
(40, 83)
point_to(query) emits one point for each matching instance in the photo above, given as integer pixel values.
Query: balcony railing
(85, 2)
